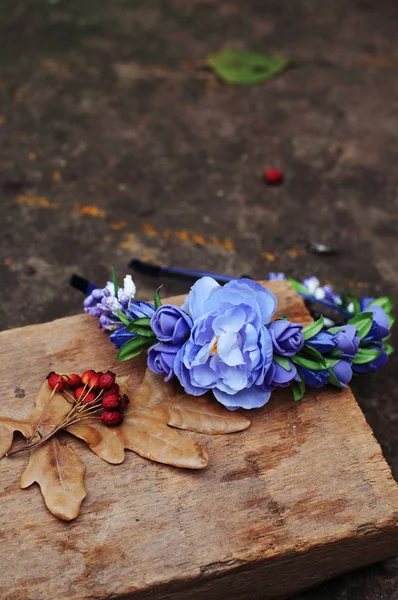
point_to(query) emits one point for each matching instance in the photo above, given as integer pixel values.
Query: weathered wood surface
(302, 495)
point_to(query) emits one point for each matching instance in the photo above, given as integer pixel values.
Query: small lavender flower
(104, 306)
(276, 276)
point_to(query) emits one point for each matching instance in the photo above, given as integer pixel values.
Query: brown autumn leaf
(60, 474)
(56, 468)
(7, 429)
(145, 430)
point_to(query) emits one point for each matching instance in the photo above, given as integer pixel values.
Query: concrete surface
(116, 142)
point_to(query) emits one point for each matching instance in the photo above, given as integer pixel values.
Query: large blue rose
(229, 350)
(171, 324)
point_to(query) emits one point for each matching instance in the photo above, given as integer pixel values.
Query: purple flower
(161, 359)
(380, 326)
(276, 276)
(374, 365)
(137, 310)
(347, 341)
(322, 341)
(103, 305)
(315, 379)
(171, 324)
(286, 337)
(278, 376)
(121, 336)
(229, 350)
(343, 371)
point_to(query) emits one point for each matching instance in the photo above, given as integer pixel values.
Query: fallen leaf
(60, 474)
(245, 68)
(7, 429)
(145, 430)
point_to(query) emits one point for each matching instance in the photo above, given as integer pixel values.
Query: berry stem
(42, 414)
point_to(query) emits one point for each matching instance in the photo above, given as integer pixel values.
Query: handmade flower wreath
(223, 339)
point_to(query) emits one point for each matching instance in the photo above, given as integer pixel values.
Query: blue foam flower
(380, 326)
(229, 350)
(343, 371)
(279, 376)
(136, 310)
(322, 341)
(287, 337)
(374, 365)
(347, 341)
(161, 359)
(314, 379)
(171, 324)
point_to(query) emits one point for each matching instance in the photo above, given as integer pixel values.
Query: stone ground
(117, 142)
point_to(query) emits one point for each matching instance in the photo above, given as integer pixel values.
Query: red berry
(89, 398)
(124, 402)
(114, 389)
(86, 376)
(73, 381)
(93, 380)
(111, 402)
(110, 418)
(273, 176)
(55, 381)
(79, 393)
(107, 380)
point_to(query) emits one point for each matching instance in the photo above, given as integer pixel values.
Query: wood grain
(302, 495)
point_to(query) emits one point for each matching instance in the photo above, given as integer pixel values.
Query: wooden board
(302, 495)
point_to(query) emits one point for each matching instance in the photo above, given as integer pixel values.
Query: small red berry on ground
(111, 419)
(273, 176)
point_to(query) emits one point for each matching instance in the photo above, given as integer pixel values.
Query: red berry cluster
(92, 392)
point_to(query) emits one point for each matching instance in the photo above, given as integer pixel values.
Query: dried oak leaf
(60, 474)
(145, 430)
(7, 429)
(56, 468)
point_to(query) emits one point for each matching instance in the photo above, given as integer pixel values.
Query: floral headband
(224, 339)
